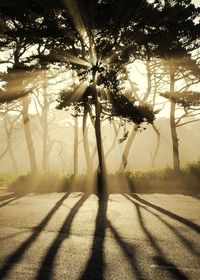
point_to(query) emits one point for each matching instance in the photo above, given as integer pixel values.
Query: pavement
(77, 236)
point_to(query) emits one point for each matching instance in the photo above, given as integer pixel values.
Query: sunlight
(75, 60)
(79, 91)
(83, 30)
(99, 154)
(76, 16)
(20, 83)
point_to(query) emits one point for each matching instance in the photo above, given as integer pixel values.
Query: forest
(94, 86)
(99, 139)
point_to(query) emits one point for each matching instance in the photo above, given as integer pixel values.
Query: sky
(196, 2)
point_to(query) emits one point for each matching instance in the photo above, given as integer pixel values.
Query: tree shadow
(94, 269)
(11, 199)
(160, 259)
(129, 252)
(187, 243)
(195, 227)
(7, 196)
(15, 257)
(46, 268)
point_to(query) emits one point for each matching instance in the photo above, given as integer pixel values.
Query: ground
(76, 236)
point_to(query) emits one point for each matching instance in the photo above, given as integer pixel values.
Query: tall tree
(99, 53)
(176, 36)
(19, 75)
(97, 39)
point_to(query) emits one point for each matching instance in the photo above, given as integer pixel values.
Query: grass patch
(40, 183)
(6, 180)
(163, 180)
(166, 180)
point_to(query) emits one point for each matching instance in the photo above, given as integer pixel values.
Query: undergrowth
(155, 180)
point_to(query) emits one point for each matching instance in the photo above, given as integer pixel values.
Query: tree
(89, 38)
(88, 52)
(19, 76)
(10, 122)
(177, 34)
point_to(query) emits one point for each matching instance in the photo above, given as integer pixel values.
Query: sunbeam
(99, 154)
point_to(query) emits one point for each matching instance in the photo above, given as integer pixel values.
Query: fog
(61, 145)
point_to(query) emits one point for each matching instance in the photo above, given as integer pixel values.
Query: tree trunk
(11, 154)
(13, 159)
(27, 131)
(45, 127)
(175, 145)
(4, 153)
(131, 137)
(101, 167)
(9, 131)
(85, 142)
(116, 131)
(75, 146)
(157, 145)
(127, 148)
(98, 136)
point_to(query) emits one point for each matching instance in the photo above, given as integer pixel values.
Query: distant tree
(18, 78)
(11, 123)
(141, 100)
(189, 101)
(176, 36)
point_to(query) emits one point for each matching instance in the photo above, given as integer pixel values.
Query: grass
(40, 183)
(163, 180)
(167, 180)
(190, 169)
(7, 179)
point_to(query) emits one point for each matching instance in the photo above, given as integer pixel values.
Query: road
(75, 236)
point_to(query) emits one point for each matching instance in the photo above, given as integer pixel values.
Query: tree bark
(27, 131)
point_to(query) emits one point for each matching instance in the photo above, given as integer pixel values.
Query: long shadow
(187, 243)
(10, 200)
(7, 196)
(131, 256)
(174, 216)
(46, 267)
(94, 269)
(15, 257)
(160, 259)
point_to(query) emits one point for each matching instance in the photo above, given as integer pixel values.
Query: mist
(61, 132)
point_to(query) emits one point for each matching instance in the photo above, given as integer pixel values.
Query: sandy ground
(75, 236)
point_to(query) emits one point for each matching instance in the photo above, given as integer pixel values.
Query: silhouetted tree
(99, 50)
(176, 35)
(97, 40)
